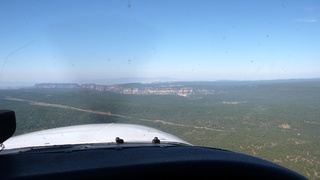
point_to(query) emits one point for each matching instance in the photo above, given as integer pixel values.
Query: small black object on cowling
(156, 140)
(118, 140)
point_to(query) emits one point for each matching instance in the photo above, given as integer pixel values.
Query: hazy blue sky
(70, 41)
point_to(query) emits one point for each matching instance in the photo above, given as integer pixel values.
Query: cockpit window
(241, 76)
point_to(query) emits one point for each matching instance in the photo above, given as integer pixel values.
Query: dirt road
(37, 103)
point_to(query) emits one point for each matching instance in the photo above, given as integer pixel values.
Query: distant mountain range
(180, 89)
(18, 84)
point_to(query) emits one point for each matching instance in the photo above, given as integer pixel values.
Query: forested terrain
(274, 120)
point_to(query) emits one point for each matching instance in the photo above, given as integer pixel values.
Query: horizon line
(18, 84)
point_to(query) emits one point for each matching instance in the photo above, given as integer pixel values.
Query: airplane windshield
(237, 75)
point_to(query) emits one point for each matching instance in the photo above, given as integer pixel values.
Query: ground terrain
(274, 120)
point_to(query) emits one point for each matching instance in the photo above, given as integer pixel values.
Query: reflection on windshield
(241, 76)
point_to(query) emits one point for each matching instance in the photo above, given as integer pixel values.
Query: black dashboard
(151, 162)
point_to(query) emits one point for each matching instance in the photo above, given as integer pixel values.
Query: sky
(83, 41)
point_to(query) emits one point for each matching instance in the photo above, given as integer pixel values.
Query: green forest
(275, 120)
